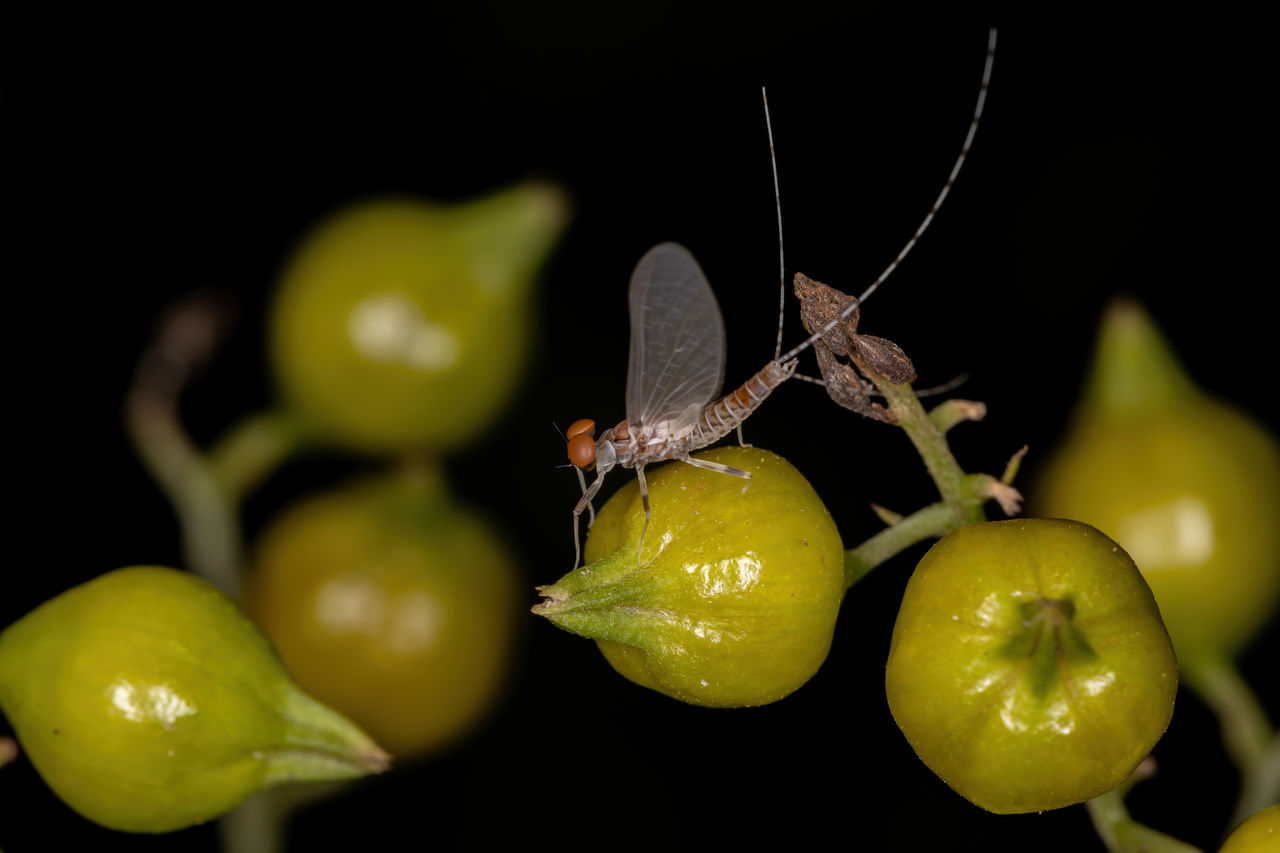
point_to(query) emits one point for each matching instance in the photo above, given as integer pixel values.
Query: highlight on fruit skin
(403, 325)
(1188, 484)
(1029, 668)
(734, 598)
(392, 603)
(149, 702)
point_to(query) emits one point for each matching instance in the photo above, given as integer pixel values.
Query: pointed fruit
(1189, 485)
(149, 702)
(402, 325)
(732, 601)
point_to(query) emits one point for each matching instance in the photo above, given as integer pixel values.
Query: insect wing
(677, 340)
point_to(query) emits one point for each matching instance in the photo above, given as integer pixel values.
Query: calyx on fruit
(1028, 667)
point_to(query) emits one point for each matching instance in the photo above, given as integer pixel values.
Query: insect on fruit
(677, 359)
(676, 368)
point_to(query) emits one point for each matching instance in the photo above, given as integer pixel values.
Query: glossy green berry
(1029, 668)
(1189, 486)
(391, 603)
(401, 324)
(148, 702)
(733, 599)
(1258, 834)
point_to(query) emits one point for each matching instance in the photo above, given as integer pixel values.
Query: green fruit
(393, 605)
(1258, 834)
(733, 600)
(1188, 485)
(403, 325)
(1029, 668)
(149, 702)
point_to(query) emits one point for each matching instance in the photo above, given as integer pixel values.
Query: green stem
(962, 495)
(210, 529)
(1122, 834)
(933, 521)
(929, 442)
(252, 449)
(1261, 785)
(258, 824)
(255, 826)
(1246, 732)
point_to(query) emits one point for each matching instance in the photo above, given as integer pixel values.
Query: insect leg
(644, 499)
(718, 468)
(585, 501)
(742, 442)
(582, 481)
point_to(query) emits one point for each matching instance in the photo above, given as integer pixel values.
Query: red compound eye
(582, 450)
(584, 426)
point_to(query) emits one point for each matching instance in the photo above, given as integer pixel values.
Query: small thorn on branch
(1011, 469)
(888, 516)
(946, 415)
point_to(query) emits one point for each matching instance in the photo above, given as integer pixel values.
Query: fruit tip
(543, 608)
(376, 760)
(553, 595)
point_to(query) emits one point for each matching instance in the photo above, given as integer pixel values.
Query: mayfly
(677, 360)
(676, 369)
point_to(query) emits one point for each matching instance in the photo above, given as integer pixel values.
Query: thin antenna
(928, 219)
(777, 198)
(949, 385)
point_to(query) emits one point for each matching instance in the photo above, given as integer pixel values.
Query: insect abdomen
(724, 416)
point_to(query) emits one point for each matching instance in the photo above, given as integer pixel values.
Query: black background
(146, 155)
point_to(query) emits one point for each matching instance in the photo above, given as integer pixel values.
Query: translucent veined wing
(677, 340)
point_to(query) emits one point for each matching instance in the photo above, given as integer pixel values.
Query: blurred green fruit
(734, 599)
(1188, 485)
(391, 603)
(402, 325)
(1258, 834)
(1028, 667)
(148, 702)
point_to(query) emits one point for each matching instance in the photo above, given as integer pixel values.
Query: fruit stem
(255, 826)
(253, 449)
(963, 495)
(1246, 733)
(187, 335)
(1121, 833)
(928, 439)
(210, 529)
(933, 521)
